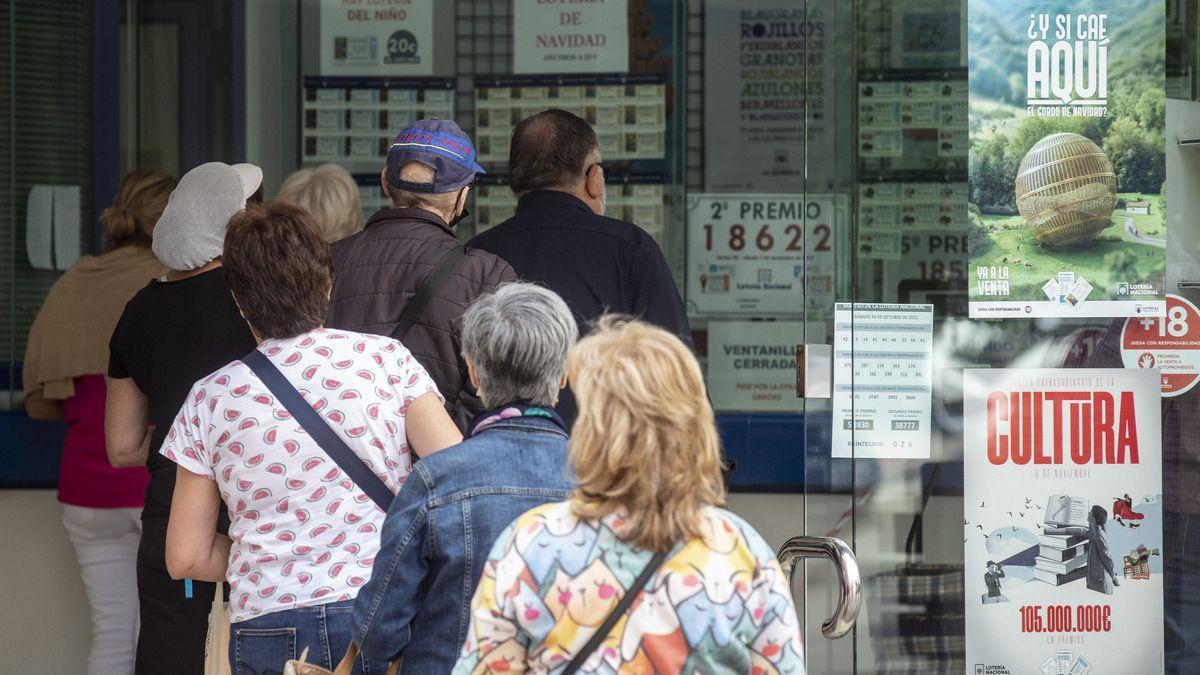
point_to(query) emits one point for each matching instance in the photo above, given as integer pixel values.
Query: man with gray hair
(405, 275)
(456, 502)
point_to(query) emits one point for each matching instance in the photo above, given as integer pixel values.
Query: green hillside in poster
(1067, 177)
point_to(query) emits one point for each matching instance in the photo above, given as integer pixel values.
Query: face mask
(459, 218)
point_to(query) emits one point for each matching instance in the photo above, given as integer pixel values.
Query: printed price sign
(753, 254)
(1170, 344)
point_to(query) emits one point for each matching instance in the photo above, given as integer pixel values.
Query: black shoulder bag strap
(426, 289)
(319, 430)
(619, 611)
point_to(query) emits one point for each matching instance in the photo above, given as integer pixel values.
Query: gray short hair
(518, 339)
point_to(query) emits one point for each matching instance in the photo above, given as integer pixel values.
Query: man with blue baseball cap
(405, 275)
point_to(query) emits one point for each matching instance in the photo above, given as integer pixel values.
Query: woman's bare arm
(46, 409)
(428, 427)
(194, 548)
(126, 423)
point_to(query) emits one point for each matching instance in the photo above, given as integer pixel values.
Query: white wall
(44, 625)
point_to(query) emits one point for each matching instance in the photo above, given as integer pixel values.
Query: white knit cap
(191, 231)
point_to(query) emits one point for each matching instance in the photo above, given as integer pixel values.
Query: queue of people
(367, 432)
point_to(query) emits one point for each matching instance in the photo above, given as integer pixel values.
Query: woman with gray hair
(441, 526)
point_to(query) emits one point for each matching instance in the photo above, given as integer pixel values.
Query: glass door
(959, 344)
(768, 253)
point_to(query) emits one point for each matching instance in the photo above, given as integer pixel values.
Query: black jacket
(596, 264)
(376, 273)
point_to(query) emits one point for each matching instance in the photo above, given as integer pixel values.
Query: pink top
(85, 476)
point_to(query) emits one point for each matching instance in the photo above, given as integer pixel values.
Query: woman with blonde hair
(65, 362)
(330, 194)
(641, 545)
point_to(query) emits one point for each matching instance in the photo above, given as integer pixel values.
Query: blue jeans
(262, 645)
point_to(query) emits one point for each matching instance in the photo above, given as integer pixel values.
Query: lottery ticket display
(911, 206)
(891, 217)
(882, 380)
(891, 112)
(351, 121)
(636, 199)
(628, 112)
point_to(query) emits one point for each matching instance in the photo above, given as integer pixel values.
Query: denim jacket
(438, 533)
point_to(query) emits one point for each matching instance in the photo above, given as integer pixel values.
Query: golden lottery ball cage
(1066, 190)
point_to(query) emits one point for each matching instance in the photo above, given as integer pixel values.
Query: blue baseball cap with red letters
(440, 145)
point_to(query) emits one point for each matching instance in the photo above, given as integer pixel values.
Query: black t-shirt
(171, 334)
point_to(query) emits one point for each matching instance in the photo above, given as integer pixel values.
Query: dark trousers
(173, 626)
(1181, 591)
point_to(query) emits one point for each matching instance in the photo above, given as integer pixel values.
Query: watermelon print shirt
(718, 604)
(303, 533)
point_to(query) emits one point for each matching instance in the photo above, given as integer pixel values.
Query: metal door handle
(836, 550)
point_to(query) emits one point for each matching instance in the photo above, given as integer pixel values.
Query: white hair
(518, 339)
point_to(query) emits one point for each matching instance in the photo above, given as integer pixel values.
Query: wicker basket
(1066, 190)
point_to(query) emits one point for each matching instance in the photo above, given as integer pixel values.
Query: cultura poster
(1062, 521)
(1067, 162)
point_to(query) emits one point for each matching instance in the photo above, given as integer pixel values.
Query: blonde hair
(645, 439)
(139, 204)
(330, 194)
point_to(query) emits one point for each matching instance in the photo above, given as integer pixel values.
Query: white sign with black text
(557, 36)
(759, 254)
(752, 365)
(383, 39)
(882, 380)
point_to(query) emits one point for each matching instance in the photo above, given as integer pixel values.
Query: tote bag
(216, 643)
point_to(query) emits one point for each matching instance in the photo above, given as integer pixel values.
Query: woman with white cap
(172, 333)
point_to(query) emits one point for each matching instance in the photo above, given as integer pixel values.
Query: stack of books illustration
(1062, 558)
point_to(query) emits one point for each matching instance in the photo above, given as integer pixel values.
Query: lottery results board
(757, 254)
(351, 120)
(882, 380)
(628, 111)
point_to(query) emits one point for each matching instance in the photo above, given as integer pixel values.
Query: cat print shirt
(303, 533)
(718, 604)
